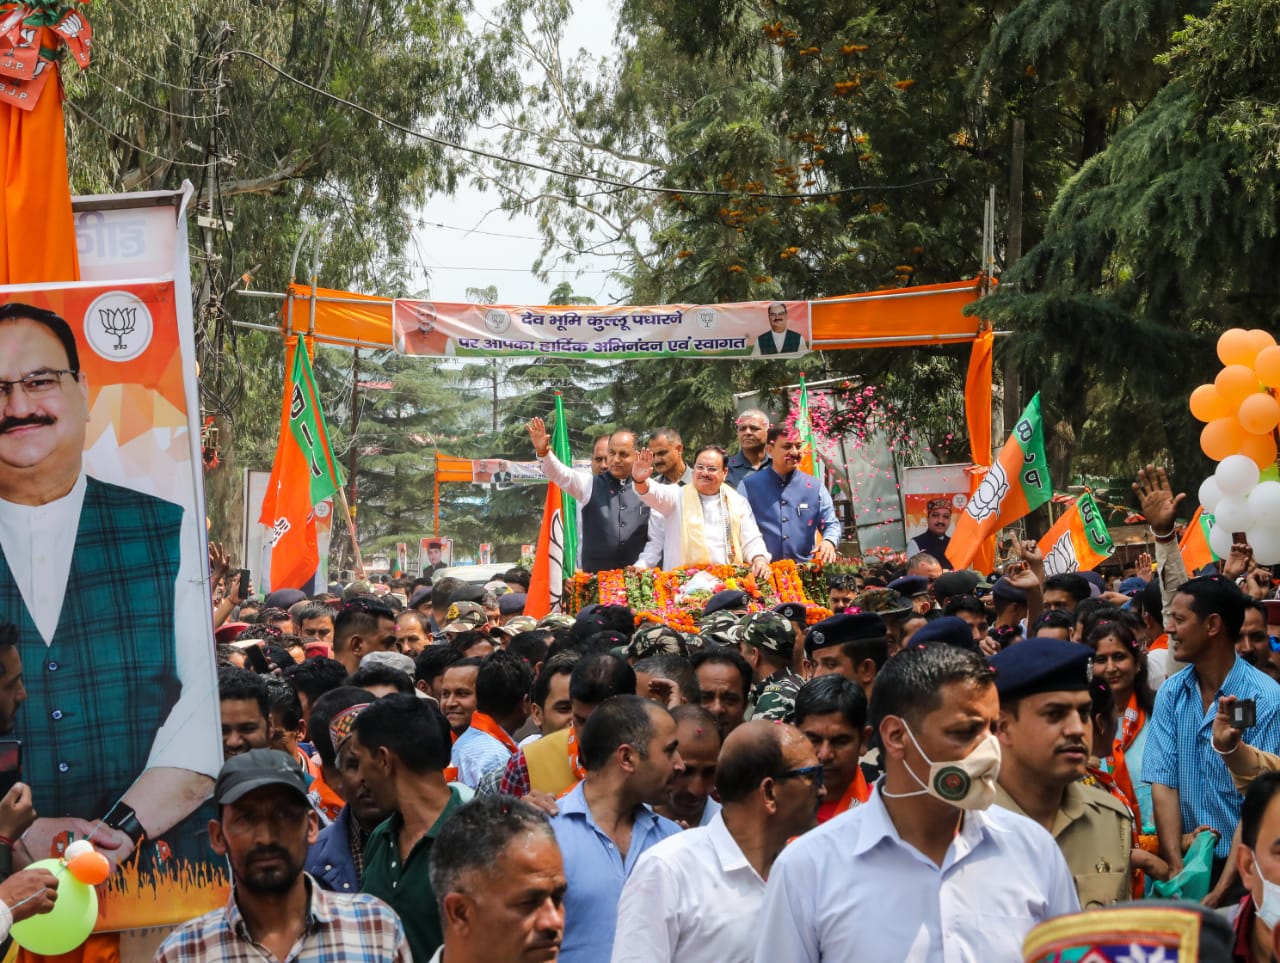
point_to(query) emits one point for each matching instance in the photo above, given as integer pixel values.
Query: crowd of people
(947, 762)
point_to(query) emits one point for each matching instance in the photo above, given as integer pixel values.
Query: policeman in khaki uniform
(768, 641)
(1044, 730)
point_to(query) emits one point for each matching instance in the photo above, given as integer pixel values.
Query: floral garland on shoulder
(658, 595)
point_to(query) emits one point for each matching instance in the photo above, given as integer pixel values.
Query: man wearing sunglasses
(706, 885)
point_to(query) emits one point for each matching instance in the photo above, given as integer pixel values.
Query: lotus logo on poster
(118, 326)
(707, 317)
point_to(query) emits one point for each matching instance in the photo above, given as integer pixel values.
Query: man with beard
(690, 896)
(604, 825)
(689, 801)
(1045, 729)
(934, 539)
(337, 858)
(264, 827)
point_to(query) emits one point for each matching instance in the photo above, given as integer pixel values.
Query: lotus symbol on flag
(118, 322)
(986, 500)
(1062, 557)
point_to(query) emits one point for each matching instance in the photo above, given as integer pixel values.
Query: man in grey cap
(264, 827)
(768, 644)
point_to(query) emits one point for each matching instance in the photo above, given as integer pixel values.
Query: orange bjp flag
(1196, 553)
(1014, 486)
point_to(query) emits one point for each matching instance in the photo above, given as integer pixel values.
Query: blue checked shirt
(338, 929)
(1180, 752)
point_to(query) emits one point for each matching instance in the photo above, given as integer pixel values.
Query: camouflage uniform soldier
(768, 643)
(656, 638)
(718, 629)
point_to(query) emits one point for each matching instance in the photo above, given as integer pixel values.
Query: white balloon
(1265, 543)
(1210, 494)
(1233, 514)
(1264, 502)
(1220, 541)
(1237, 474)
(78, 848)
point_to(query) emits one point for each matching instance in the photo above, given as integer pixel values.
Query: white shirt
(576, 483)
(668, 501)
(693, 898)
(46, 536)
(853, 890)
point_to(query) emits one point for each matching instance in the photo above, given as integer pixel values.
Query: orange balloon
(90, 868)
(1235, 346)
(1222, 437)
(1236, 382)
(1267, 367)
(1259, 413)
(1207, 404)
(1261, 340)
(1261, 448)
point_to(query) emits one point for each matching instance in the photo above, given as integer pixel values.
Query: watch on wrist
(124, 819)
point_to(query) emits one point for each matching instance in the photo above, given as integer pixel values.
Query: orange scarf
(485, 723)
(1161, 642)
(1134, 719)
(578, 772)
(858, 789)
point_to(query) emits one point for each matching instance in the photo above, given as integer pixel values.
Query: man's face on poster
(42, 422)
(940, 520)
(433, 554)
(778, 318)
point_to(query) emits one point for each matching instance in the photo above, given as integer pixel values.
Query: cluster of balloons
(75, 909)
(1241, 502)
(1239, 413)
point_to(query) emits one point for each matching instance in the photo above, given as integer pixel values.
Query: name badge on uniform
(803, 506)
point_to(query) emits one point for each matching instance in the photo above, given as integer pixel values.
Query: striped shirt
(338, 929)
(1180, 752)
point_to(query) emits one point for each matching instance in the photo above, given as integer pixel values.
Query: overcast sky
(466, 241)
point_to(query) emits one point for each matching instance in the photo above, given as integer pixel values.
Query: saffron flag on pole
(810, 461)
(1196, 553)
(1017, 484)
(303, 474)
(1079, 541)
(557, 551)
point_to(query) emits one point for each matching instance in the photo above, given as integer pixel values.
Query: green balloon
(68, 924)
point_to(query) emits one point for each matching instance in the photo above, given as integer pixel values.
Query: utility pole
(1013, 251)
(353, 451)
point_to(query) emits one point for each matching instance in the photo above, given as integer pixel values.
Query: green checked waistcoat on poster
(98, 694)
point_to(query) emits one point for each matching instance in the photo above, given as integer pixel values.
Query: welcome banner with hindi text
(746, 329)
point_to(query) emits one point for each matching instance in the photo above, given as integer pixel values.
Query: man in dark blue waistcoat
(89, 573)
(791, 507)
(615, 523)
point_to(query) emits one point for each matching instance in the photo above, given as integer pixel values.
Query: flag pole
(351, 527)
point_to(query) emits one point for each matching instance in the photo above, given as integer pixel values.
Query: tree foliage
(1156, 245)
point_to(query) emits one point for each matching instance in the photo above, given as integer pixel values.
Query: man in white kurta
(706, 523)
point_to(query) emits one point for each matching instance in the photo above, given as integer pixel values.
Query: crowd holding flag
(304, 474)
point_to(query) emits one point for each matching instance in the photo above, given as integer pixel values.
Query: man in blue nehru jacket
(115, 727)
(790, 506)
(615, 523)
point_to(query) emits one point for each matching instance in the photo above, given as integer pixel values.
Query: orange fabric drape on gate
(38, 232)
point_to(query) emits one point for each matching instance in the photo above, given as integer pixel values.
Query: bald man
(707, 884)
